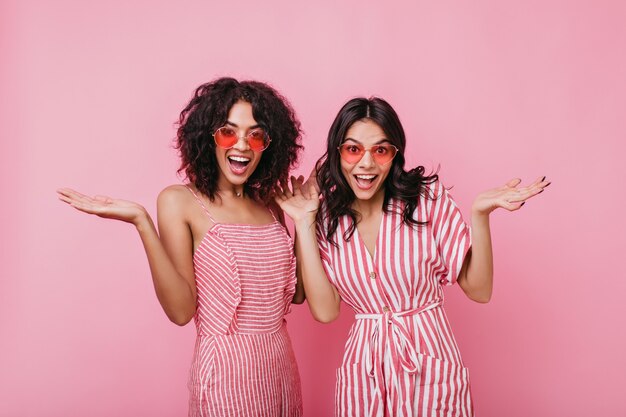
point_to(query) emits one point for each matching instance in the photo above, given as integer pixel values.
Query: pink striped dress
(243, 363)
(401, 358)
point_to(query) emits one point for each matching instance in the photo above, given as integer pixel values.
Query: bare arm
(322, 296)
(300, 295)
(302, 205)
(476, 276)
(169, 256)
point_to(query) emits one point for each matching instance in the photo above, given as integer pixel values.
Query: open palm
(509, 196)
(299, 202)
(102, 206)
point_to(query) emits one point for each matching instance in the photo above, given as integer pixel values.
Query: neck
(235, 192)
(371, 206)
(231, 190)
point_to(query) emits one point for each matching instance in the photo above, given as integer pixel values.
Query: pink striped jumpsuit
(401, 358)
(243, 363)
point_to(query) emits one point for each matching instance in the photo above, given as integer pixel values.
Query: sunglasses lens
(351, 153)
(225, 137)
(383, 154)
(258, 140)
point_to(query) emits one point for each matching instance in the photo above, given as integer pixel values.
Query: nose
(242, 144)
(366, 160)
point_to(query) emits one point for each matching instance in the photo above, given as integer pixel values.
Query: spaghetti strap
(273, 216)
(201, 203)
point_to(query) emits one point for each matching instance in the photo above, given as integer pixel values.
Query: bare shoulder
(174, 199)
(277, 211)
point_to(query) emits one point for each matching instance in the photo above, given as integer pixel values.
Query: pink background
(488, 89)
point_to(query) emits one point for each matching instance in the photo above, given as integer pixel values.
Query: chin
(365, 194)
(237, 179)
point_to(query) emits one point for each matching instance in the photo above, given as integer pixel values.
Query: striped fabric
(243, 363)
(401, 358)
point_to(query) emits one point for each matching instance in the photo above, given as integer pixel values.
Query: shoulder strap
(201, 203)
(273, 215)
(275, 212)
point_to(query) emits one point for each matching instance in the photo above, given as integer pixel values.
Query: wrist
(480, 213)
(304, 223)
(481, 208)
(142, 220)
(480, 218)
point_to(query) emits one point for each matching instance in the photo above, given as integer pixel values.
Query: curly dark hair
(400, 184)
(208, 110)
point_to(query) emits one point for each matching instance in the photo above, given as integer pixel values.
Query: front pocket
(441, 388)
(354, 391)
(201, 375)
(444, 387)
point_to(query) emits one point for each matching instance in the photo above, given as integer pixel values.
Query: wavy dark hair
(208, 110)
(336, 193)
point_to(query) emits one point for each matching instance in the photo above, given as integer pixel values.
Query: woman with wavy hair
(385, 241)
(222, 254)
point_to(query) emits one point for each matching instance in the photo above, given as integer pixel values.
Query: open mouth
(365, 181)
(238, 164)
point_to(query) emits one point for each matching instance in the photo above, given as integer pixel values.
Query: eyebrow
(360, 143)
(229, 123)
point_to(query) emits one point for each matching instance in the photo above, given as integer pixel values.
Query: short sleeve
(452, 236)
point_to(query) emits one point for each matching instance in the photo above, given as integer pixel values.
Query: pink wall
(489, 89)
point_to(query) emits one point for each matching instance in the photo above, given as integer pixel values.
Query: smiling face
(365, 176)
(239, 162)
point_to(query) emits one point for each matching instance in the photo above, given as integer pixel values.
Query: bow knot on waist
(391, 332)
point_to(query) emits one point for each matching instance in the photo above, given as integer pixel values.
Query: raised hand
(312, 181)
(508, 197)
(301, 202)
(102, 206)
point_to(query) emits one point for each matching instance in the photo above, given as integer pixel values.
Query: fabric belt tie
(389, 332)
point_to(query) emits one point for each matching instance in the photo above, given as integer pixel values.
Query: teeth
(239, 158)
(366, 177)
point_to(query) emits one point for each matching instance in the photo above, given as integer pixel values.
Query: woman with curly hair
(222, 254)
(385, 241)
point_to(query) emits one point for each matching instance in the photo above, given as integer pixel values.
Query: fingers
(74, 198)
(296, 185)
(304, 187)
(279, 197)
(71, 194)
(86, 207)
(279, 193)
(103, 199)
(64, 199)
(513, 183)
(80, 203)
(285, 187)
(313, 190)
(312, 180)
(298, 188)
(99, 205)
(538, 181)
(513, 206)
(539, 184)
(537, 187)
(517, 197)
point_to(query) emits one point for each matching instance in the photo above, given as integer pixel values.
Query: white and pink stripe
(244, 363)
(401, 358)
